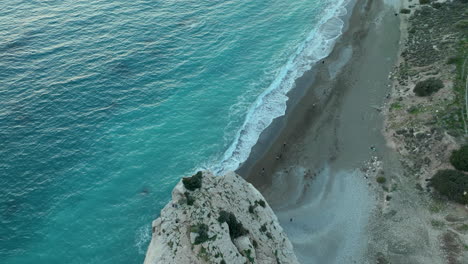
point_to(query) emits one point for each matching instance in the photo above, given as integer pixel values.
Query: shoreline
(273, 137)
(313, 95)
(340, 137)
(288, 85)
(328, 138)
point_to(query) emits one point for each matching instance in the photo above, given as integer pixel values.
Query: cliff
(214, 219)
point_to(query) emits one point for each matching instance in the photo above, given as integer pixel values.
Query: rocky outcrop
(213, 219)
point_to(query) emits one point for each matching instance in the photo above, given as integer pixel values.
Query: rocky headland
(213, 219)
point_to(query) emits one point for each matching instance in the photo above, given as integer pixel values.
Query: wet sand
(307, 164)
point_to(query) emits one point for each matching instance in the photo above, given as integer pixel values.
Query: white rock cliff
(219, 220)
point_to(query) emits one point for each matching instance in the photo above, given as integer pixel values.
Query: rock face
(214, 219)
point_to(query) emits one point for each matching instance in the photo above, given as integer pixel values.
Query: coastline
(340, 134)
(310, 163)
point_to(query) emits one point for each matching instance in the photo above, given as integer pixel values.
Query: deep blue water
(104, 105)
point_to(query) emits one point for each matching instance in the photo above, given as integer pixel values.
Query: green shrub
(459, 158)
(194, 182)
(255, 244)
(424, 2)
(261, 203)
(235, 228)
(428, 87)
(405, 11)
(381, 179)
(251, 209)
(453, 60)
(396, 105)
(437, 223)
(190, 199)
(451, 184)
(463, 24)
(248, 255)
(202, 230)
(436, 5)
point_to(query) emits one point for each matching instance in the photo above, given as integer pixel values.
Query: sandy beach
(317, 165)
(311, 173)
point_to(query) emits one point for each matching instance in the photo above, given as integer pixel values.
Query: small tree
(459, 158)
(451, 184)
(236, 229)
(202, 230)
(189, 198)
(428, 87)
(261, 203)
(194, 182)
(405, 11)
(381, 179)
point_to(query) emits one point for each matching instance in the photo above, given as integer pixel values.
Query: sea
(106, 104)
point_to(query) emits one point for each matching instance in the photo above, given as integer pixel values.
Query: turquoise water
(104, 105)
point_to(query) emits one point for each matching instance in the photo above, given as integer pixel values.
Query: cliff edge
(213, 219)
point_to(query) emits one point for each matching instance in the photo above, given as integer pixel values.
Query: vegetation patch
(381, 179)
(235, 227)
(405, 11)
(428, 87)
(255, 244)
(261, 203)
(194, 182)
(462, 24)
(190, 199)
(414, 110)
(437, 223)
(424, 2)
(454, 60)
(251, 209)
(436, 207)
(459, 158)
(203, 254)
(452, 118)
(436, 5)
(202, 231)
(248, 255)
(451, 184)
(276, 256)
(463, 228)
(396, 105)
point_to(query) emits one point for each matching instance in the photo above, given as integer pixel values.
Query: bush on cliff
(189, 198)
(261, 203)
(451, 184)
(235, 228)
(424, 2)
(459, 158)
(202, 231)
(194, 182)
(428, 87)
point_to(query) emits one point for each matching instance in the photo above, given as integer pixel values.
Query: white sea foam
(272, 102)
(142, 238)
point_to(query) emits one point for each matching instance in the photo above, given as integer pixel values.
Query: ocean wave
(142, 239)
(272, 102)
